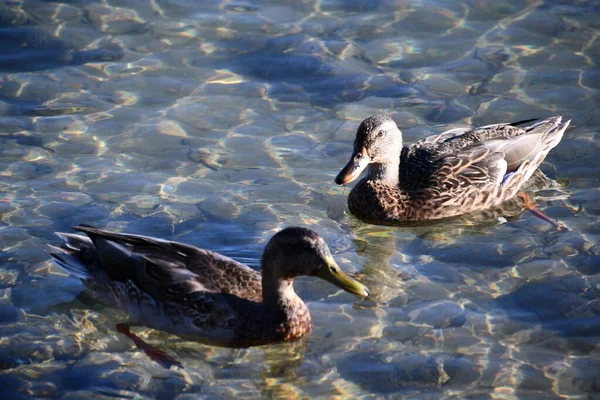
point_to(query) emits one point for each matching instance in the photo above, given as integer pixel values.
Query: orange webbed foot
(155, 354)
(530, 205)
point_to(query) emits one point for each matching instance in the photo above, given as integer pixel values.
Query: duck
(458, 171)
(200, 294)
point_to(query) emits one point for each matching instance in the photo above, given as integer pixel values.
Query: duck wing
(494, 153)
(465, 157)
(169, 270)
(419, 162)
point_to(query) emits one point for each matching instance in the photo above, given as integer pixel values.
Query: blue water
(217, 123)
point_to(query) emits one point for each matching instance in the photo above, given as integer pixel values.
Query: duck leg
(155, 354)
(530, 205)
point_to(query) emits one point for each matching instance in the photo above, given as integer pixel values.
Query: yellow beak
(331, 272)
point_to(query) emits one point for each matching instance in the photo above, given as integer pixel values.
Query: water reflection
(218, 123)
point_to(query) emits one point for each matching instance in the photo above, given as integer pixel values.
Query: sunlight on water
(219, 123)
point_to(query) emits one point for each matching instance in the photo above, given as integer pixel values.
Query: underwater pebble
(115, 20)
(9, 313)
(439, 315)
(40, 389)
(56, 210)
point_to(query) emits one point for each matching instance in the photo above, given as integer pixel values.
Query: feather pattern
(458, 171)
(198, 293)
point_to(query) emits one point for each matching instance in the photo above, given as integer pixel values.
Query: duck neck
(285, 312)
(277, 292)
(386, 173)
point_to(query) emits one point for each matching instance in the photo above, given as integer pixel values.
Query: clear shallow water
(218, 123)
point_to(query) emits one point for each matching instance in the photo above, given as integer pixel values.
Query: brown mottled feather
(456, 172)
(197, 293)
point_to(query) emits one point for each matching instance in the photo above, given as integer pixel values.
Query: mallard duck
(456, 172)
(201, 294)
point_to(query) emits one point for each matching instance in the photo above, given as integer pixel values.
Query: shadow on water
(26, 47)
(569, 305)
(294, 73)
(228, 121)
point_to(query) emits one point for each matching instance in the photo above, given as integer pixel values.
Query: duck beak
(358, 162)
(331, 272)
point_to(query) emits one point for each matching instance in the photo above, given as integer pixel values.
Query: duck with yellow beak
(200, 294)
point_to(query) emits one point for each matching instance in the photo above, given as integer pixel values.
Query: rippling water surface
(217, 123)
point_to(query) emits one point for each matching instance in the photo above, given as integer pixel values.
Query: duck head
(378, 141)
(295, 252)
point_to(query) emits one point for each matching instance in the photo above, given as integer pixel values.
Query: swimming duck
(201, 294)
(458, 171)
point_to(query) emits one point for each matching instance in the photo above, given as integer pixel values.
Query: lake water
(217, 123)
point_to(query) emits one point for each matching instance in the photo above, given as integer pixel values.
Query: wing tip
(68, 262)
(523, 122)
(84, 228)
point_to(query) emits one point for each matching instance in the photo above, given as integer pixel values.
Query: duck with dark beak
(458, 171)
(358, 162)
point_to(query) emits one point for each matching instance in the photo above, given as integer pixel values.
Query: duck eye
(381, 133)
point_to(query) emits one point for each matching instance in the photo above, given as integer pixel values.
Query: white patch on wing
(502, 166)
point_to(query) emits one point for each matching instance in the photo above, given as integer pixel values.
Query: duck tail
(552, 130)
(555, 135)
(69, 255)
